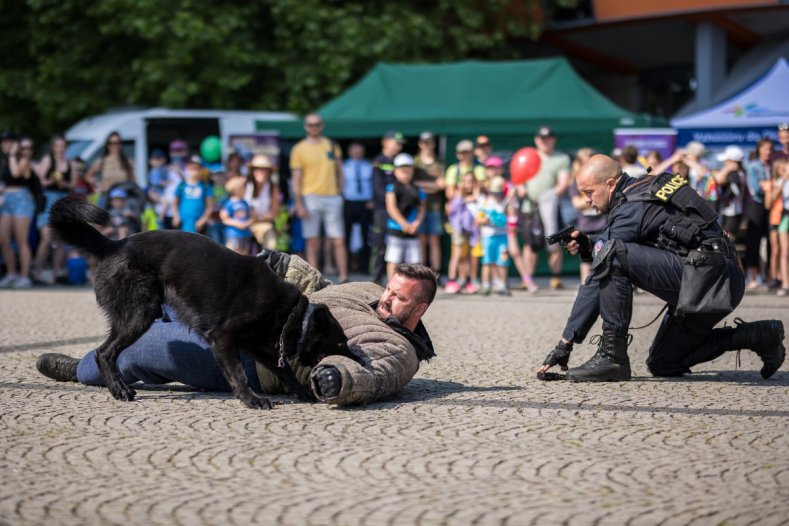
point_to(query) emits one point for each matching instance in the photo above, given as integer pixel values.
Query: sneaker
(529, 286)
(22, 283)
(503, 292)
(781, 292)
(484, 290)
(556, 284)
(8, 281)
(58, 367)
(470, 288)
(452, 287)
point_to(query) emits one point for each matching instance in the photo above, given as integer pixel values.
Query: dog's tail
(70, 218)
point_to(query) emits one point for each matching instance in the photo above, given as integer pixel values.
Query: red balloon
(524, 165)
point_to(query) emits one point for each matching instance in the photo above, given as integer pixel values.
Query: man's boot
(609, 364)
(765, 338)
(58, 367)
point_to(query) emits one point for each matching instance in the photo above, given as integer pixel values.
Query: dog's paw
(124, 393)
(257, 402)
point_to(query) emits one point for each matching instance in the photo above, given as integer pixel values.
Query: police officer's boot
(765, 338)
(609, 364)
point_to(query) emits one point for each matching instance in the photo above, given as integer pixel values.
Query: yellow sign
(670, 187)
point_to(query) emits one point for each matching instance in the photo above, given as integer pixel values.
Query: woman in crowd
(16, 213)
(263, 196)
(730, 183)
(758, 179)
(57, 179)
(112, 168)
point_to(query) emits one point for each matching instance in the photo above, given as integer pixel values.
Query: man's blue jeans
(168, 352)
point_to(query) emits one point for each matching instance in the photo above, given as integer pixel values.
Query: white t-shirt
(261, 204)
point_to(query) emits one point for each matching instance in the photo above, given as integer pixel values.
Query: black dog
(236, 303)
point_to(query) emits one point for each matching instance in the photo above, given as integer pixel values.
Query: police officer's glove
(560, 355)
(584, 247)
(326, 381)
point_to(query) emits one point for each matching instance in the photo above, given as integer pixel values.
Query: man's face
(356, 151)
(464, 156)
(313, 125)
(400, 300)
(545, 143)
(596, 194)
(391, 147)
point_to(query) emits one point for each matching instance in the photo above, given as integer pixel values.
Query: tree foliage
(62, 60)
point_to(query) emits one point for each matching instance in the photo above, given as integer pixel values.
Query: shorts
(494, 251)
(531, 230)
(326, 210)
(402, 250)
(18, 203)
(783, 226)
(51, 196)
(433, 224)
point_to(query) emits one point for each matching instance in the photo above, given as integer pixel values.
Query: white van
(142, 130)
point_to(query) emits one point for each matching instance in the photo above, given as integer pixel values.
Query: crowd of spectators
(404, 208)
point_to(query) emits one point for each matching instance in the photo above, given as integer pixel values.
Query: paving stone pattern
(473, 439)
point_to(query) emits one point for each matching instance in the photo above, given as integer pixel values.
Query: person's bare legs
(454, 261)
(341, 258)
(390, 270)
(435, 253)
(312, 248)
(44, 246)
(774, 271)
(21, 230)
(6, 228)
(783, 238)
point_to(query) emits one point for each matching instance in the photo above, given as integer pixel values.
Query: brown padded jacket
(391, 356)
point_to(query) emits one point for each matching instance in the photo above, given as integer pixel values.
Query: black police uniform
(645, 244)
(383, 174)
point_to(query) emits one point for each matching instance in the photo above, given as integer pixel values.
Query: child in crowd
(192, 198)
(492, 218)
(215, 228)
(462, 211)
(775, 200)
(120, 217)
(157, 183)
(236, 215)
(405, 204)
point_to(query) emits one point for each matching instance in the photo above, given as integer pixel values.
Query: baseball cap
(494, 162)
(158, 153)
(118, 193)
(464, 146)
(426, 136)
(694, 148)
(544, 131)
(396, 135)
(194, 159)
(483, 140)
(731, 153)
(403, 159)
(178, 146)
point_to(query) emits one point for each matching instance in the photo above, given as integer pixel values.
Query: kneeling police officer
(664, 238)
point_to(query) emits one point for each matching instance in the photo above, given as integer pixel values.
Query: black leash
(653, 319)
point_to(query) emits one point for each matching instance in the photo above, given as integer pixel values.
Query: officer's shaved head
(596, 181)
(599, 168)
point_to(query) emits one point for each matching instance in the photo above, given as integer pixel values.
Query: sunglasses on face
(114, 143)
(314, 124)
(784, 126)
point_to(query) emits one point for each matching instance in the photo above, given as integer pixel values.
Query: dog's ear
(316, 321)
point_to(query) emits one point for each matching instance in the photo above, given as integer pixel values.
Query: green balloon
(211, 149)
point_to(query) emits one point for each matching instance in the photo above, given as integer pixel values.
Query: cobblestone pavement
(474, 439)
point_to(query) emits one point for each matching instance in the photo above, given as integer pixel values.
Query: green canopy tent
(507, 101)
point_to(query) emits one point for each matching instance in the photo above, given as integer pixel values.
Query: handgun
(562, 237)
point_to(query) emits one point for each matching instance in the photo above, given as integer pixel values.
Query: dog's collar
(304, 320)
